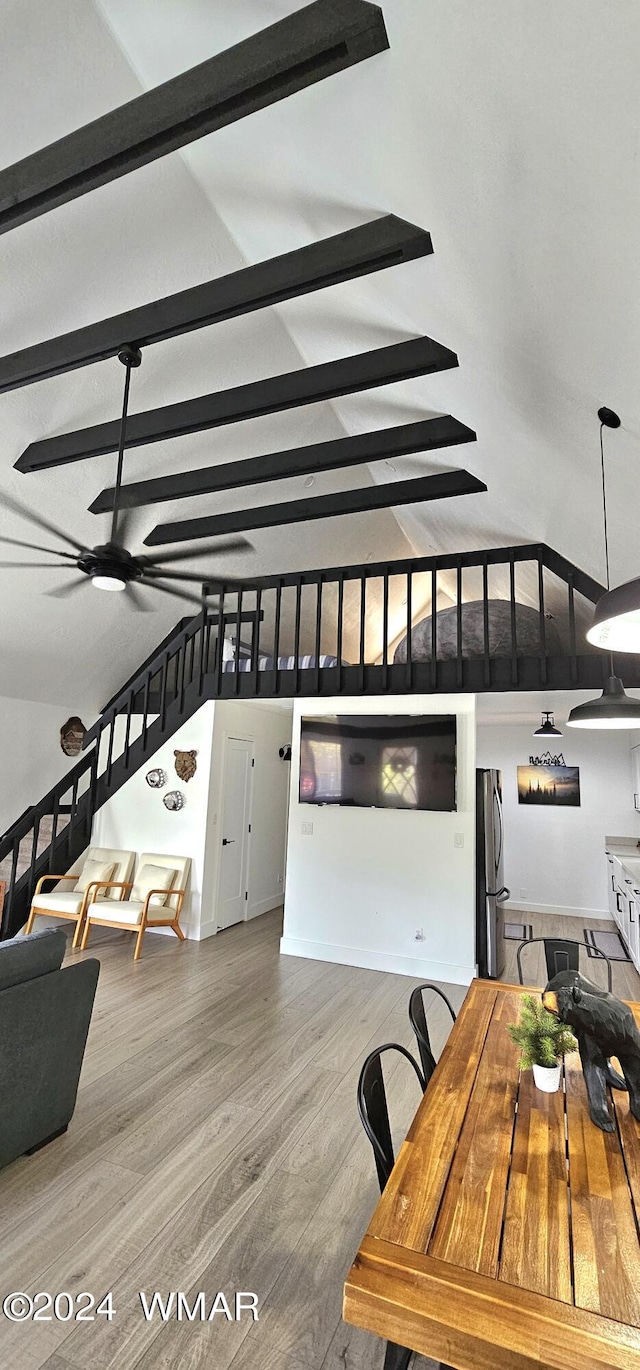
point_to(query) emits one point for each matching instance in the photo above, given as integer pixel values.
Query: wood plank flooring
(215, 1146)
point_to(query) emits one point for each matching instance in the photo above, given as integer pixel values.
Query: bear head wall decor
(72, 735)
(185, 764)
(604, 1027)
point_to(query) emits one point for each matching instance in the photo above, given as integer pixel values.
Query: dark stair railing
(283, 628)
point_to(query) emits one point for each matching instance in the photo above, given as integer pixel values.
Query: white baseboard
(378, 960)
(198, 932)
(265, 905)
(562, 910)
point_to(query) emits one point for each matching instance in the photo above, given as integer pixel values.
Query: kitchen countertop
(627, 851)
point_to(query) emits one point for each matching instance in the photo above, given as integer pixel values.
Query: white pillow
(94, 870)
(153, 878)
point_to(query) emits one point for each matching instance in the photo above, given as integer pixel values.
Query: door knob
(228, 841)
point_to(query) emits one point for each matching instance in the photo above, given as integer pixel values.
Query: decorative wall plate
(174, 800)
(157, 778)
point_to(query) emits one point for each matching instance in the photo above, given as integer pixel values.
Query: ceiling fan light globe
(111, 583)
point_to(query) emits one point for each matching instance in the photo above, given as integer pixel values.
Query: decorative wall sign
(157, 778)
(547, 760)
(558, 786)
(186, 765)
(174, 800)
(72, 735)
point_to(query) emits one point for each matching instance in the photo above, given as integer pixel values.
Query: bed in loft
(233, 661)
(472, 626)
(500, 633)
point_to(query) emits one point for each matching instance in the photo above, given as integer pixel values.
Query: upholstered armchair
(153, 900)
(100, 869)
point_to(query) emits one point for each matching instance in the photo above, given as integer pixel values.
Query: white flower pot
(547, 1078)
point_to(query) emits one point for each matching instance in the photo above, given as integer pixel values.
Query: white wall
(554, 858)
(367, 880)
(136, 819)
(269, 727)
(31, 758)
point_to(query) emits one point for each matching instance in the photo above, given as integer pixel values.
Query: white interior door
(234, 830)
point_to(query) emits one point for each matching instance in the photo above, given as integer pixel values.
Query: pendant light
(616, 622)
(613, 709)
(547, 727)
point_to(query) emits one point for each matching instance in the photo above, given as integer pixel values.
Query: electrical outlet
(458, 839)
(523, 893)
(307, 829)
(280, 879)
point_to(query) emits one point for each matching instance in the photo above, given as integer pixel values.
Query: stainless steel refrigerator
(491, 891)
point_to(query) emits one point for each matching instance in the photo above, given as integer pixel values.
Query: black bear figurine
(604, 1027)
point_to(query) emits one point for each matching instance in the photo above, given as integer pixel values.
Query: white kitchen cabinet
(611, 886)
(623, 890)
(634, 931)
(635, 773)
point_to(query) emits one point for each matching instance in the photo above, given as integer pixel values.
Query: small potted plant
(543, 1041)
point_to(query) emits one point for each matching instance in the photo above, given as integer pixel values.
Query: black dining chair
(374, 1116)
(419, 1023)
(562, 954)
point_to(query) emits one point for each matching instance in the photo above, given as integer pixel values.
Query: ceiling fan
(111, 566)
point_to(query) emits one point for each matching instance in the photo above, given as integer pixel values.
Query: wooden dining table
(507, 1237)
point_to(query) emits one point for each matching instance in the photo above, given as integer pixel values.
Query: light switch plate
(307, 829)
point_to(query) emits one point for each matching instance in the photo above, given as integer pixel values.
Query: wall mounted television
(379, 761)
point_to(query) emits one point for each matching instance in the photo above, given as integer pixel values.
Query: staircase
(50, 836)
(295, 632)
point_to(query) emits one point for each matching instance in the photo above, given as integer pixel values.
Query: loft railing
(370, 628)
(324, 633)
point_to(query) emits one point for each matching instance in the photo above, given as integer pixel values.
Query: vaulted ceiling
(507, 130)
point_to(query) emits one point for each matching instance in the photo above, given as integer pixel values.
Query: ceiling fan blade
(9, 502)
(34, 547)
(69, 588)
(20, 565)
(216, 549)
(136, 601)
(177, 594)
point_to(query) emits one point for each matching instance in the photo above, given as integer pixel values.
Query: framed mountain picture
(557, 786)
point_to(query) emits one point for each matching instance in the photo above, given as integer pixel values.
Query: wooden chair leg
(138, 951)
(30, 921)
(77, 936)
(178, 930)
(85, 935)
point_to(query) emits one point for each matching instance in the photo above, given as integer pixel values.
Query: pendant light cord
(123, 431)
(606, 531)
(604, 509)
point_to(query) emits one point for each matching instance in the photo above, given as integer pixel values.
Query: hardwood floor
(626, 981)
(215, 1146)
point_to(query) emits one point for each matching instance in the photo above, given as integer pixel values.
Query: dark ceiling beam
(360, 251)
(315, 42)
(310, 385)
(391, 495)
(425, 436)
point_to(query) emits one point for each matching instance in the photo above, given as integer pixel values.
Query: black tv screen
(379, 761)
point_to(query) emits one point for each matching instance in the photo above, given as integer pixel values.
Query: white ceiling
(508, 130)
